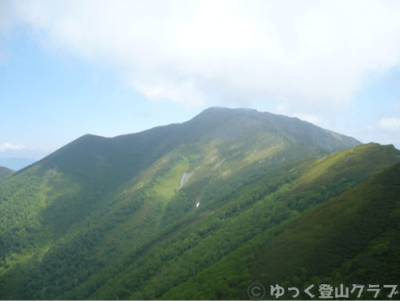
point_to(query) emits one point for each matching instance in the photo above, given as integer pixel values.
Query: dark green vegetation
(353, 238)
(107, 218)
(5, 172)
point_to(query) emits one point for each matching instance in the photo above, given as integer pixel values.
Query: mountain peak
(220, 123)
(222, 111)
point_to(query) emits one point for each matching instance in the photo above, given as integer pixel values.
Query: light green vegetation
(353, 162)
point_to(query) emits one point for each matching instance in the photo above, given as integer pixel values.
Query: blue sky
(68, 68)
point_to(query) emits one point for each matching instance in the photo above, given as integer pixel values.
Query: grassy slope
(293, 253)
(355, 163)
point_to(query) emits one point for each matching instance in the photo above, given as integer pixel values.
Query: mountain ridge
(204, 125)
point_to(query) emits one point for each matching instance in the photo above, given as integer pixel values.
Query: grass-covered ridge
(353, 163)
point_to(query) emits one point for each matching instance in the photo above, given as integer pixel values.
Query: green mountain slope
(136, 215)
(352, 238)
(5, 172)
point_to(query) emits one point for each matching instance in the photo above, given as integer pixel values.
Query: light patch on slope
(226, 172)
(185, 178)
(324, 165)
(218, 164)
(263, 153)
(335, 135)
(213, 159)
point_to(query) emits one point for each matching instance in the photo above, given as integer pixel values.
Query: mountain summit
(228, 123)
(213, 124)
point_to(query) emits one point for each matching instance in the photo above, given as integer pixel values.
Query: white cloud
(397, 106)
(7, 17)
(6, 146)
(392, 123)
(303, 54)
(284, 109)
(384, 131)
(182, 93)
(7, 23)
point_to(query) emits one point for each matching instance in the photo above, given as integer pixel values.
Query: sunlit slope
(352, 238)
(352, 163)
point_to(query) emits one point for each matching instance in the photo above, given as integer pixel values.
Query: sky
(76, 67)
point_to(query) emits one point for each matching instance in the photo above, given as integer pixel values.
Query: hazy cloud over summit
(191, 52)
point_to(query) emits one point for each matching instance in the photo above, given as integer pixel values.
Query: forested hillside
(351, 239)
(5, 172)
(167, 213)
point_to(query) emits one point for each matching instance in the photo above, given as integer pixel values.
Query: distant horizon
(16, 163)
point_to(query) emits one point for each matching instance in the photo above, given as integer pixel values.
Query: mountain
(16, 163)
(212, 125)
(226, 123)
(142, 216)
(5, 172)
(236, 135)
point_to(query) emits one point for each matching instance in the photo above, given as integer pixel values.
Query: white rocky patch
(185, 178)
